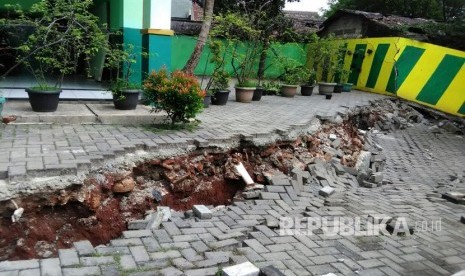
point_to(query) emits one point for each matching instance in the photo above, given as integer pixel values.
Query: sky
(307, 5)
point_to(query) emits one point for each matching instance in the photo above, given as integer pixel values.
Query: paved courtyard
(419, 163)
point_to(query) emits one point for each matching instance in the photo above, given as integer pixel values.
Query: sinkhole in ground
(100, 208)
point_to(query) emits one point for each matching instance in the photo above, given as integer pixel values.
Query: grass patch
(164, 128)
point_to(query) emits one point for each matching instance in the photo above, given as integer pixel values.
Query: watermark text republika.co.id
(355, 226)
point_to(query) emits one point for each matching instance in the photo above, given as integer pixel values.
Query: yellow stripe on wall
(454, 96)
(420, 74)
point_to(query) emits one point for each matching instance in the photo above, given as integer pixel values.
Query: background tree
(267, 17)
(443, 10)
(203, 36)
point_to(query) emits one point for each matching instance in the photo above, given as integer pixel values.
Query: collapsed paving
(387, 163)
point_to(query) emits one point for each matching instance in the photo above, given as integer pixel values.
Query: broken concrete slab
(202, 212)
(338, 168)
(244, 269)
(363, 161)
(251, 194)
(377, 177)
(326, 191)
(155, 220)
(455, 197)
(368, 184)
(166, 211)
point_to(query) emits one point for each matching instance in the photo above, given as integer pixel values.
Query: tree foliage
(443, 10)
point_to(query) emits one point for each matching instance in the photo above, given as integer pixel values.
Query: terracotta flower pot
(288, 91)
(326, 88)
(244, 94)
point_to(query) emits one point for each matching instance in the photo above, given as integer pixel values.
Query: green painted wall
(25, 4)
(184, 45)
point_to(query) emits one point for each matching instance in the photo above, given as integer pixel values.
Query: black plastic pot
(329, 96)
(220, 97)
(126, 100)
(338, 88)
(257, 94)
(43, 101)
(207, 100)
(306, 90)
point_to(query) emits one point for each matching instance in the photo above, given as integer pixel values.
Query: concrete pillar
(157, 34)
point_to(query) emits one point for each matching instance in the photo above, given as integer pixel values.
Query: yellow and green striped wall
(416, 71)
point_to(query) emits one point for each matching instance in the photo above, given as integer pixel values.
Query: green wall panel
(25, 4)
(134, 37)
(184, 45)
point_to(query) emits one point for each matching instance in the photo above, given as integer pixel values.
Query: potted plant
(292, 77)
(120, 59)
(65, 33)
(306, 89)
(218, 84)
(207, 98)
(271, 88)
(243, 45)
(220, 87)
(346, 86)
(321, 52)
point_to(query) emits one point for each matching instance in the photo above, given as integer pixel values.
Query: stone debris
(455, 197)
(326, 191)
(243, 269)
(202, 212)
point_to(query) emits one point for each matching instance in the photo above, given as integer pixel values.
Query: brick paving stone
(171, 271)
(68, 257)
(139, 253)
(81, 271)
(137, 234)
(50, 267)
(162, 255)
(370, 263)
(93, 261)
(256, 246)
(250, 254)
(191, 255)
(84, 248)
(127, 262)
(126, 242)
(29, 272)
(182, 264)
(224, 244)
(19, 265)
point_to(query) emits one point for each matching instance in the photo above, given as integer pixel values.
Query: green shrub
(179, 94)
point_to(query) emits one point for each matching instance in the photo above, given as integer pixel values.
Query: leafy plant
(271, 86)
(220, 78)
(65, 32)
(241, 43)
(120, 60)
(179, 94)
(321, 53)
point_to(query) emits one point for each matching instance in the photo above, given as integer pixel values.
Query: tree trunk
(262, 63)
(203, 36)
